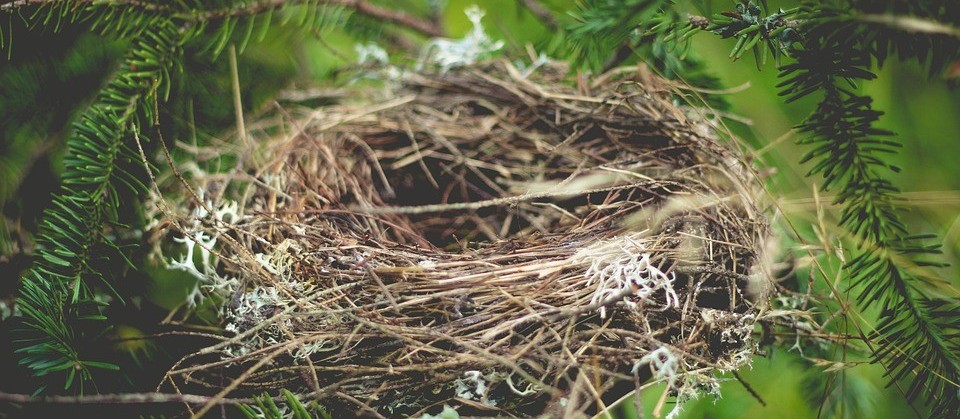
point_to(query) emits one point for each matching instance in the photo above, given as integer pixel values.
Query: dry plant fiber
(496, 241)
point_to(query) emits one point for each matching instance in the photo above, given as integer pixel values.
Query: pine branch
(661, 40)
(847, 151)
(602, 26)
(56, 296)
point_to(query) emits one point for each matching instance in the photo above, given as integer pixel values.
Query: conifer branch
(56, 296)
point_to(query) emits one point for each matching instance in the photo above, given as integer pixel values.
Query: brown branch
(399, 18)
(123, 398)
(13, 5)
(363, 7)
(749, 388)
(541, 12)
(413, 23)
(911, 24)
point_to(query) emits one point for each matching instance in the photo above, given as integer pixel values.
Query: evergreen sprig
(915, 337)
(756, 31)
(265, 407)
(601, 27)
(603, 38)
(57, 296)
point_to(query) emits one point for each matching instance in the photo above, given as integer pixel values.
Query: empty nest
(483, 239)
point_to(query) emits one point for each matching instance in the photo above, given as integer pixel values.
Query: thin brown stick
(398, 18)
(541, 12)
(749, 388)
(122, 398)
(6, 7)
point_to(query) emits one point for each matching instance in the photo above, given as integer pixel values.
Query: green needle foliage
(602, 26)
(606, 33)
(265, 407)
(57, 295)
(915, 338)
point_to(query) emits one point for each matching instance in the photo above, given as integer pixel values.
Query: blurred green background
(50, 76)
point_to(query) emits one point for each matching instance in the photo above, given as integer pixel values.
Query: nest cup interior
(510, 228)
(426, 194)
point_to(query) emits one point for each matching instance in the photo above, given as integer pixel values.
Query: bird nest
(483, 239)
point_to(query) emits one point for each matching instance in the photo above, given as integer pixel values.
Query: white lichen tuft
(663, 362)
(453, 53)
(790, 307)
(526, 71)
(621, 268)
(280, 261)
(252, 309)
(200, 243)
(258, 307)
(371, 53)
(8, 310)
(474, 385)
(255, 305)
(477, 386)
(668, 366)
(691, 387)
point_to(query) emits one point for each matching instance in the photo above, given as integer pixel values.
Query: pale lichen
(452, 53)
(473, 386)
(621, 267)
(8, 310)
(199, 242)
(371, 53)
(668, 366)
